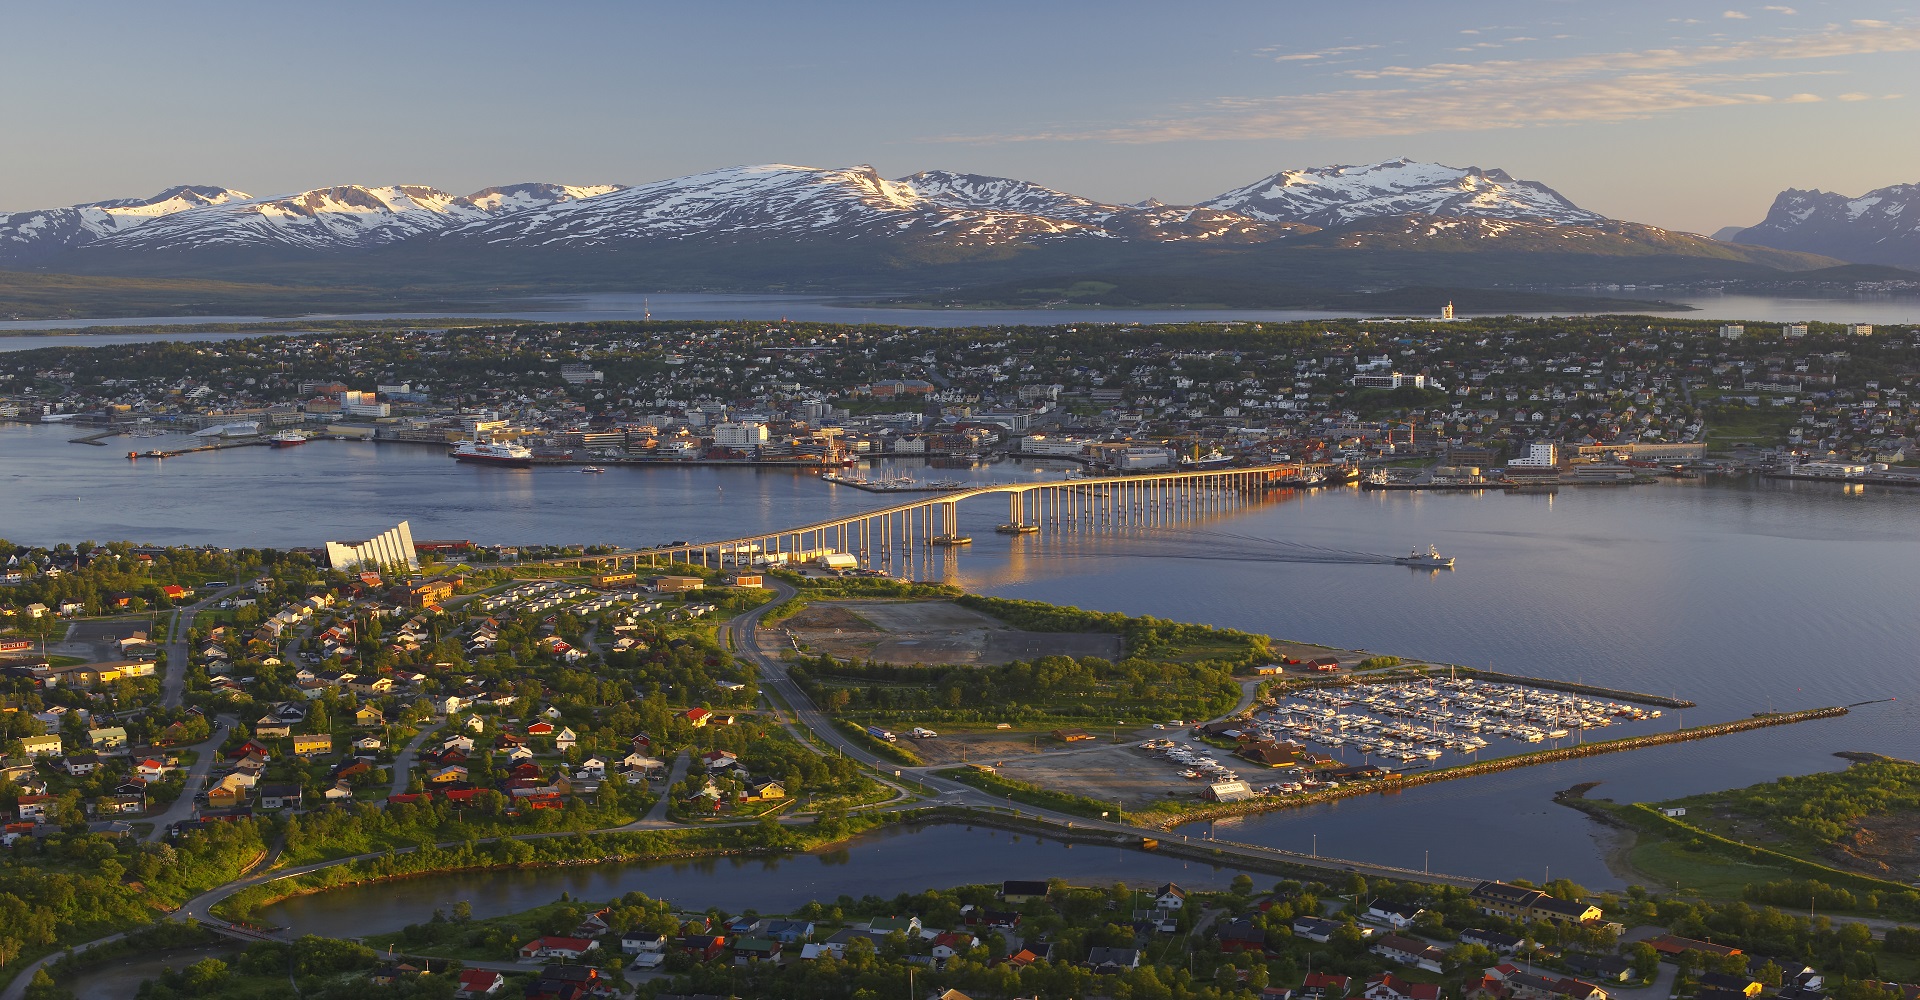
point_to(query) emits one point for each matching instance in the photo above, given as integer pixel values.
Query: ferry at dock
(486, 453)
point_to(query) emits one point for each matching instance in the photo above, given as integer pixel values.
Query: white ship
(486, 453)
(1430, 559)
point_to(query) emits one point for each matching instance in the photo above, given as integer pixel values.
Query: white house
(1170, 896)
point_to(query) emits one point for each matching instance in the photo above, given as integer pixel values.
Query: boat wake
(1233, 547)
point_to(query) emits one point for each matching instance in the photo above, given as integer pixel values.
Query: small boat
(1430, 559)
(287, 439)
(592, 469)
(950, 541)
(1018, 529)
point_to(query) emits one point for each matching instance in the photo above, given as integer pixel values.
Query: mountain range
(794, 228)
(1879, 227)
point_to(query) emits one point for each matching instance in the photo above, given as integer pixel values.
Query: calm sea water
(829, 309)
(1742, 595)
(884, 863)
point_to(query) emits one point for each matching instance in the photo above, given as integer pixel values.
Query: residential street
(206, 754)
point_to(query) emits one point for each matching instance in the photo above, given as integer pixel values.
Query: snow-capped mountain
(1147, 220)
(340, 218)
(28, 234)
(1339, 195)
(785, 202)
(846, 222)
(1879, 227)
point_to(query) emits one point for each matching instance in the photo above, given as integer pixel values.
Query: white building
(1143, 458)
(363, 404)
(1860, 329)
(1732, 331)
(581, 374)
(740, 436)
(391, 548)
(1540, 455)
(1793, 331)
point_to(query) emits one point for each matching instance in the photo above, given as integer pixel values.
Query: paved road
(17, 990)
(657, 816)
(403, 761)
(207, 753)
(173, 687)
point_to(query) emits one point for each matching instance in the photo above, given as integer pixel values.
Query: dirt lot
(1099, 769)
(907, 632)
(1884, 846)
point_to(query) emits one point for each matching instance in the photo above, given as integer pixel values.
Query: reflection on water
(885, 864)
(1743, 595)
(615, 306)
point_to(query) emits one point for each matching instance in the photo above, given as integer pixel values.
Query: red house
(478, 983)
(1242, 935)
(703, 947)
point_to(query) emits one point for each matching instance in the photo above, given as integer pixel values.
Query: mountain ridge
(787, 227)
(1879, 227)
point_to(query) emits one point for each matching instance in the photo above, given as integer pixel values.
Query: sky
(1683, 115)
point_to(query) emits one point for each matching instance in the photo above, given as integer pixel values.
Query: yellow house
(304, 746)
(369, 716)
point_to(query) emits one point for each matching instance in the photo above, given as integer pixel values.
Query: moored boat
(487, 453)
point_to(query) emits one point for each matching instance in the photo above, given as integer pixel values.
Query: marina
(1425, 720)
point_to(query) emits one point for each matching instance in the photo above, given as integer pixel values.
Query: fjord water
(609, 307)
(1740, 594)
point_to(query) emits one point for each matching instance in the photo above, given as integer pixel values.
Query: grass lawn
(1668, 864)
(1761, 425)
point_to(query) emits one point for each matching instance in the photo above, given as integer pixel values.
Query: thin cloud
(1734, 15)
(1788, 11)
(1854, 96)
(1338, 50)
(1511, 93)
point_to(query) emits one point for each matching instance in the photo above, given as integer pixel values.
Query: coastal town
(348, 711)
(1483, 403)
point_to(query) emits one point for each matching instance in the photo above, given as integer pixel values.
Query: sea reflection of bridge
(931, 522)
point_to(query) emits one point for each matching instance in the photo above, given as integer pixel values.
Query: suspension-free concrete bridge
(931, 521)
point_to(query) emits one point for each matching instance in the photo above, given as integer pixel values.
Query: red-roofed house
(1321, 986)
(697, 716)
(557, 947)
(1387, 986)
(478, 983)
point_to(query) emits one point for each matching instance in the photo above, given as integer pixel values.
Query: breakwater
(1398, 782)
(1573, 687)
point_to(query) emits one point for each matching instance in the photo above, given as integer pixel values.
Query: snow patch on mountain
(1340, 195)
(1879, 227)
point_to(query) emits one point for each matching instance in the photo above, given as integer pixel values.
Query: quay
(1862, 479)
(99, 439)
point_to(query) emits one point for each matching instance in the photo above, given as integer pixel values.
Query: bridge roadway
(931, 520)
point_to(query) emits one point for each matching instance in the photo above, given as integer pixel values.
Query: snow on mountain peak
(1343, 194)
